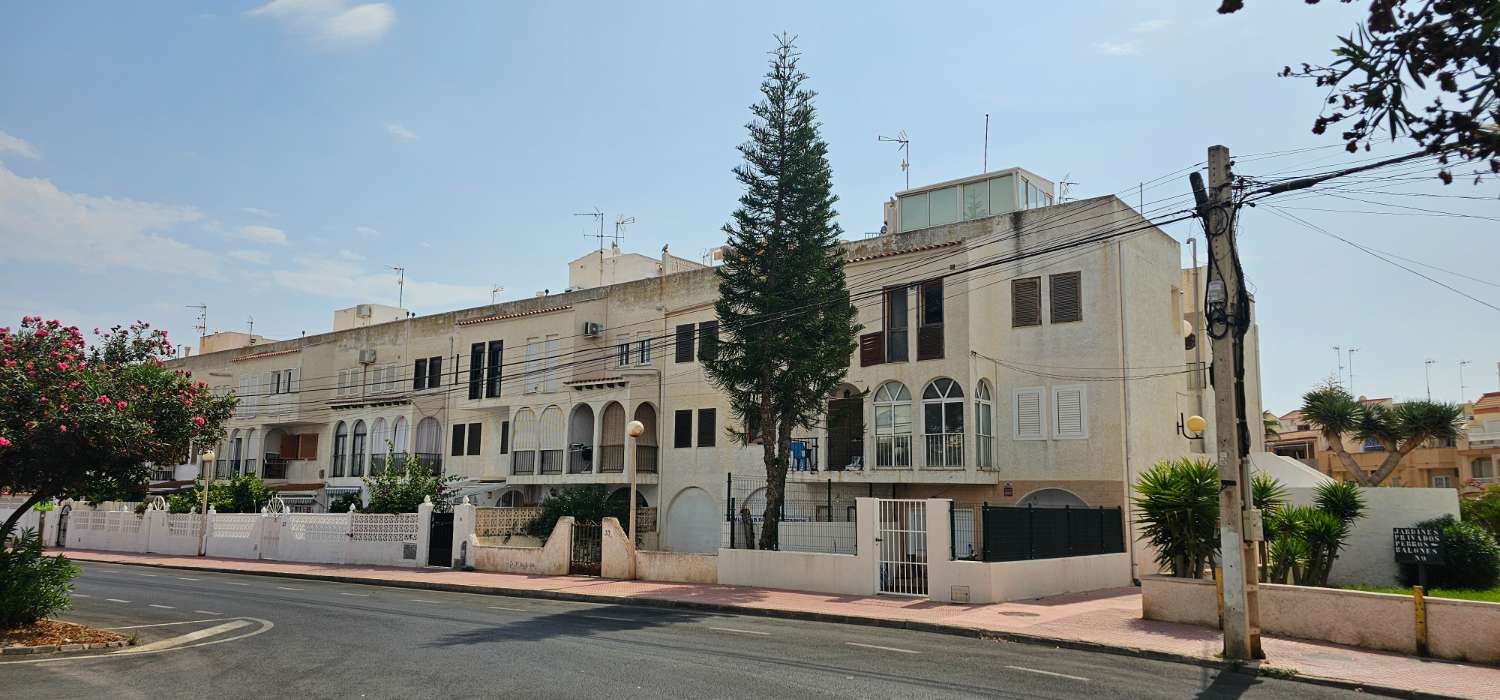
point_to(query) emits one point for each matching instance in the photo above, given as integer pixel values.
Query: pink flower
(4, 442)
(10, 363)
(198, 420)
(121, 405)
(102, 400)
(187, 403)
(62, 366)
(62, 428)
(42, 333)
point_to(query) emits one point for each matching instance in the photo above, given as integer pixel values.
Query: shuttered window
(418, 376)
(930, 322)
(496, 352)
(504, 437)
(682, 428)
(872, 349)
(458, 440)
(475, 431)
(706, 427)
(476, 370)
(1070, 419)
(1067, 300)
(895, 325)
(1029, 424)
(434, 372)
(708, 340)
(1026, 302)
(685, 342)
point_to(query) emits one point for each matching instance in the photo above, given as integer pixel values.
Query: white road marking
(165, 624)
(288, 588)
(606, 617)
(264, 626)
(184, 578)
(731, 629)
(163, 607)
(419, 600)
(116, 600)
(147, 575)
(501, 607)
(357, 595)
(1048, 673)
(233, 583)
(877, 646)
(188, 638)
(207, 612)
(82, 595)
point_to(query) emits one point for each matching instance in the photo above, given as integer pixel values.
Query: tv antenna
(598, 216)
(250, 326)
(495, 290)
(202, 325)
(400, 284)
(1062, 192)
(621, 222)
(905, 149)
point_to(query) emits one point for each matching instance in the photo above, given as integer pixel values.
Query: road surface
(234, 636)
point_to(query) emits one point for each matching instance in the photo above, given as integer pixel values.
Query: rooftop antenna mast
(493, 291)
(1062, 194)
(250, 326)
(620, 223)
(598, 216)
(986, 167)
(400, 284)
(202, 325)
(905, 149)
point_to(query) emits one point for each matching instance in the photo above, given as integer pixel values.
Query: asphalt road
(265, 637)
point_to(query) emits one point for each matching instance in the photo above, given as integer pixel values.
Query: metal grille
(501, 522)
(814, 518)
(903, 546)
(383, 527)
(587, 549)
(1014, 533)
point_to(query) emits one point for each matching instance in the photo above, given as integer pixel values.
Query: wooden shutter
(308, 447)
(476, 369)
(682, 428)
(708, 340)
(504, 437)
(294, 379)
(496, 351)
(1028, 413)
(458, 440)
(685, 342)
(1070, 420)
(872, 349)
(474, 437)
(930, 342)
(418, 375)
(1067, 301)
(434, 372)
(289, 446)
(706, 427)
(1026, 302)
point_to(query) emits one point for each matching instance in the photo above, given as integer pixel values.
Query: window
(357, 459)
(643, 350)
(930, 321)
(476, 370)
(340, 447)
(708, 340)
(895, 325)
(942, 206)
(1067, 303)
(1482, 468)
(976, 200)
(622, 354)
(913, 211)
(523, 460)
(685, 342)
(418, 375)
(458, 440)
(1372, 444)
(1070, 415)
(475, 430)
(892, 425)
(553, 380)
(434, 372)
(343, 389)
(1029, 423)
(943, 422)
(984, 426)
(496, 360)
(682, 428)
(1026, 302)
(1441, 481)
(706, 419)
(504, 437)
(550, 428)
(533, 365)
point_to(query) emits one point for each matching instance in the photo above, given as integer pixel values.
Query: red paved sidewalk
(1109, 618)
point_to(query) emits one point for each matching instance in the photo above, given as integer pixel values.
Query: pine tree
(783, 303)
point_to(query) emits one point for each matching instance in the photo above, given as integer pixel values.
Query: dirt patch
(52, 632)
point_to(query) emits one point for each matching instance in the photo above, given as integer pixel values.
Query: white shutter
(1071, 414)
(550, 347)
(533, 366)
(294, 380)
(343, 382)
(242, 391)
(1028, 415)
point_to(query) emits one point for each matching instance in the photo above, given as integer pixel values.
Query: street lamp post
(205, 459)
(633, 430)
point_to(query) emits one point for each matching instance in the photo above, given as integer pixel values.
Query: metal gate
(902, 539)
(587, 549)
(62, 525)
(440, 541)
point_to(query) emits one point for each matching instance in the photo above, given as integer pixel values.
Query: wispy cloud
(41, 223)
(347, 276)
(331, 23)
(366, 231)
(262, 213)
(259, 234)
(1116, 48)
(256, 257)
(18, 146)
(400, 132)
(1150, 25)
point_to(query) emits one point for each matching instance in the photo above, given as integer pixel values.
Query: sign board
(1418, 545)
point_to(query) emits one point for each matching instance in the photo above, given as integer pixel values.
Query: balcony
(552, 462)
(645, 459)
(945, 451)
(523, 462)
(357, 464)
(1484, 438)
(804, 455)
(163, 475)
(221, 468)
(249, 467)
(611, 459)
(274, 467)
(580, 459)
(893, 452)
(337, 465)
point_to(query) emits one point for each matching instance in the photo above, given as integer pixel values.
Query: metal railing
(855, 461)
(523, 462)
(893, 451)
(431, 461)
(611, 459)
(645, 459)
(945, 451)
(804, 455)
(357, 464)
(336, 464)
(221, 469)
(580, 459)
(248, 467)
(552, 462)
(274, 468)
(163, 475)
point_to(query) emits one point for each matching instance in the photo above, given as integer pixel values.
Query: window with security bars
(1029, 421)
(1026, 302)
(1070, 416)
(1067, 296)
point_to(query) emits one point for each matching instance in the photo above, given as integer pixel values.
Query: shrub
(239, 493)
(1178, 507)
(32, 585)
(1483, 510)
(1471, 557)
(587, 504)
(401, 488)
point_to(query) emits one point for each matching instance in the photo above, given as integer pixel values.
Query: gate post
(424, 531)
(866, 515)
(465, 519)
(941, 573)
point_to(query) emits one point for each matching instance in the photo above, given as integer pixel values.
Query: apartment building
(1465, 463)
(1051, 376)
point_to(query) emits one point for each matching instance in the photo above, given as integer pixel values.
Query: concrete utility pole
(1228, 317)
(1427, 373)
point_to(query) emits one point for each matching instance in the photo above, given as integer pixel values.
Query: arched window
(400, 437)
(550, 434)
(230, 463)
(511, 499)
(892, 425)
(984, 426)
(252, 448)
(645, 445)
(340, 449)
(943, 422)
(357, 458)
(612, 439)
(581, 440)
(379, 449)
(523, 452)
(429, 444)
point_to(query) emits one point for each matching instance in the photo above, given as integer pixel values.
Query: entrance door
(846, 434)
(587, 549)
(902, 539)
(62, 526)
(440, 541)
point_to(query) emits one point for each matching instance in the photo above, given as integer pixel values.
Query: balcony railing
(275, 468)
(645, 459)
(523, 462)
(431, 461)
(248, 467)
(804, 455)
(357, 464)
(221, 469)
(945, 451)
(162, 475)
(893, 451)
(337, 464)
(580, 459)
(611, 459)
(552, 462)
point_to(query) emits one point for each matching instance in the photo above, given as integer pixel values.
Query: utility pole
(400, 284)
(1427, 371)
(1228, 317)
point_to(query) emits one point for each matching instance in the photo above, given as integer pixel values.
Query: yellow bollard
(1419, 609)
(1219, 593)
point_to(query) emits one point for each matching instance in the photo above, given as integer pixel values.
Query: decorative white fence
(318, 538)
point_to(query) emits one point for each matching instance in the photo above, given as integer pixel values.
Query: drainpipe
(1125, 505)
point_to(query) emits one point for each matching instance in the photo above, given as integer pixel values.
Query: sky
(271, 160)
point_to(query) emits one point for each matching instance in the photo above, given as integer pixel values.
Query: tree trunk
(15, 517)
(1336, 443)
(1392, 460)
(770, 528)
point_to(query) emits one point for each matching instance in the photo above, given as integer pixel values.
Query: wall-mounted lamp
(1193, 424)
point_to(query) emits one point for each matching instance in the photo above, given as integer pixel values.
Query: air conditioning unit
(363, 311)
(367, 357)
(592, 329)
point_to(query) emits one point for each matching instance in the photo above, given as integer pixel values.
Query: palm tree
(1272, 425)
(1399, 430)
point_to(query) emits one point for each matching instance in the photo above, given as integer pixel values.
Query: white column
(424, 530)
(464, 516)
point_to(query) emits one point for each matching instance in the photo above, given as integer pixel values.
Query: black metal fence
(814, 517)
(1015, 533)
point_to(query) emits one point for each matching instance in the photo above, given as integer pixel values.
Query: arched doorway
(512, 499)
(846, 429)
(645, 445)
(1052, 498)
(693, 522)
(581, 440)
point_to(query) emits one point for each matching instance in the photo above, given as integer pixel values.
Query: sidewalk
(1103, 620)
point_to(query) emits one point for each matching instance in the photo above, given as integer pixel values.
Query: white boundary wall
(1369, 556)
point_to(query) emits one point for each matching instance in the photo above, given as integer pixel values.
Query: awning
(299, 499)
(335, 491)
(473, 491)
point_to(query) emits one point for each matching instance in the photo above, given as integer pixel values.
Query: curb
(1254, 669)
(50, 648)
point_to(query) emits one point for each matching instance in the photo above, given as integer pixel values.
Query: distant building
(229, 340)
(601, 268)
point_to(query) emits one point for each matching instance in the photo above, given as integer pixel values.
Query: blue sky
(270, 160)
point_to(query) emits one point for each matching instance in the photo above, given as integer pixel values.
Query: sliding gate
(902, 542)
